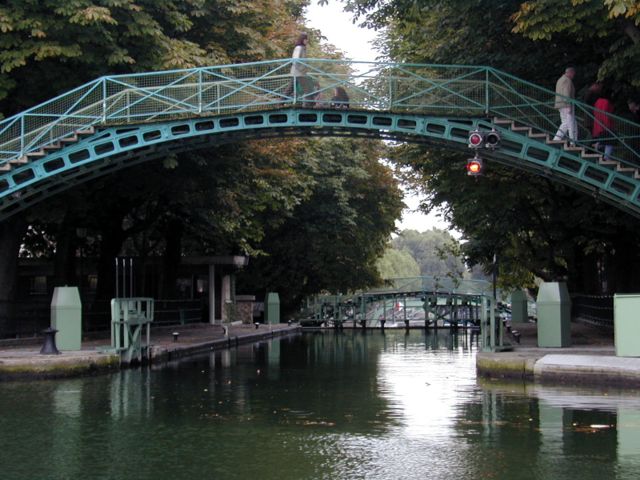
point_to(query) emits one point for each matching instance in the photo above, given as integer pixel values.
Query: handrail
(429, 89)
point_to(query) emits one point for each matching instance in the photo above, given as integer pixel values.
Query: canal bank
(26, 362)
(590, 360)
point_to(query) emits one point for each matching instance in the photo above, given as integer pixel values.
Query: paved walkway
(27, 362)
(590, 359)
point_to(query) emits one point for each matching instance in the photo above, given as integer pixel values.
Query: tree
(397, 264)
(539, 228)
(612, 24)
(431, 250)
(333, 238)
(50, 46)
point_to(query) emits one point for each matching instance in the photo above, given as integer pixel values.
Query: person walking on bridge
(565, 92)
(602, 130)
(298, 70)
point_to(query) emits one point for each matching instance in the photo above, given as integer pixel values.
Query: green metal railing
(435, 284)
(442, 90)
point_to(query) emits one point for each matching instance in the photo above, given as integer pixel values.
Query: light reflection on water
(318, 406)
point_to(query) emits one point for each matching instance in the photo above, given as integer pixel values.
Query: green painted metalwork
(131, 318)
(426, 302)
(117, 121)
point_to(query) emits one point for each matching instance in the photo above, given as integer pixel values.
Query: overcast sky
(337, 26)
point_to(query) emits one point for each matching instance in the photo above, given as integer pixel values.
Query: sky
(356, 43)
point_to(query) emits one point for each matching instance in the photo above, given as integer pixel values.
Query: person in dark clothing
(340, 98)
(593, 92)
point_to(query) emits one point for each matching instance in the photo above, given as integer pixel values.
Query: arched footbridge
(118, 121)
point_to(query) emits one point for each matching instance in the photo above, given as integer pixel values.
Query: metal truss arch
(104, 150)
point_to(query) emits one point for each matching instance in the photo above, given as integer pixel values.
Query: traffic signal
(474, 166)
(476, 139)
(479, 139)
(491, 139)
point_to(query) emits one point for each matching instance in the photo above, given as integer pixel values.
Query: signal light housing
(479, 139)
(476, 139)
(474, 166)
(492, 139)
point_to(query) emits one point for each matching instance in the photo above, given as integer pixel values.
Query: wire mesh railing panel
(421, 89)
(49, 122)
(534, 106)
(10, 139)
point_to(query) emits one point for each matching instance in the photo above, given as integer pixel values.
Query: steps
(47, 149)
(596, 158)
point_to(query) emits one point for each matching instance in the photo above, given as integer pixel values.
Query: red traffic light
(475, 139)
(474, 166)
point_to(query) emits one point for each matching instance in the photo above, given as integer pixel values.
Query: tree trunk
(11, 233)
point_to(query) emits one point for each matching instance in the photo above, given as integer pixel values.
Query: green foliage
(398, 264)
(612, 24)
(333, 239)
(50, 46)
(432, 250)
(534, 226)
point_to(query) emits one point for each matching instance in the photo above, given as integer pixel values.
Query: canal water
(350, 405)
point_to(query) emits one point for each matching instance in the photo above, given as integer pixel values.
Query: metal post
(453, 320)
(200, 91)
(104, 100)
(384, 308)
(218, 97)
(492, 323)
(495, 276)
(22, 135)
(124, 277)
(117, 282)
(212, 294)
(131, 277)
(406, 322)
(486, 92)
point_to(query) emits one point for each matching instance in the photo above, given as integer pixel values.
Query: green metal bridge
(118, 121)
(416, 302)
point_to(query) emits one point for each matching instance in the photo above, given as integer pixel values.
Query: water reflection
(347, 405)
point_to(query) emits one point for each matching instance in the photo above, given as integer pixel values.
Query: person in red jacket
(602, 131)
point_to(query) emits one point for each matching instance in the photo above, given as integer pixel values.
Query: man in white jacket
(298, 70)
(564, 92)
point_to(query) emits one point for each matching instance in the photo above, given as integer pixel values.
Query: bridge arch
(101, 132)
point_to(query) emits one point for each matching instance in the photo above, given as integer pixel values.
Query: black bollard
(175, 336)
(49, 346)
(382, 322)
(257, 324)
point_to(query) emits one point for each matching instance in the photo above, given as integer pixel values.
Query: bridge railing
(439, 90)
(530, 105)
(435, 284)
